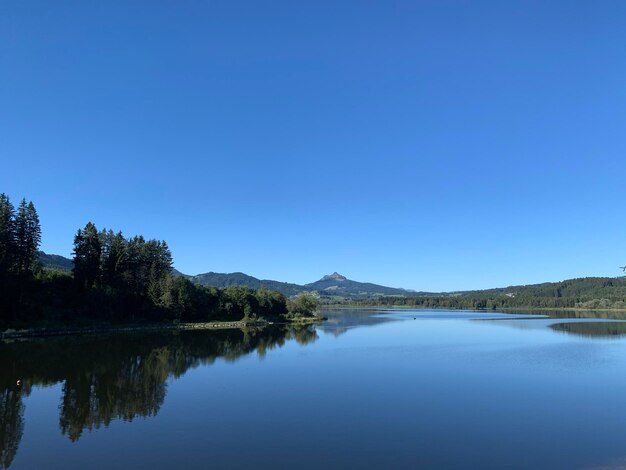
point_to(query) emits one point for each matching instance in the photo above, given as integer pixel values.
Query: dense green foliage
(304, 305)
(20, 235)
(113, 279)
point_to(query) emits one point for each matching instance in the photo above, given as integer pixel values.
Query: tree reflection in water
(11, 424)
(116, 376)
(605, 329)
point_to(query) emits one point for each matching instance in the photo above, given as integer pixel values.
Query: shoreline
(524, 309)
(97, 329)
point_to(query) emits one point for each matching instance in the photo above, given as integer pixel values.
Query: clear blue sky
(428, 145)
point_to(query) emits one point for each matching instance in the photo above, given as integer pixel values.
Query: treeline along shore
(589, 293)
(116, 280)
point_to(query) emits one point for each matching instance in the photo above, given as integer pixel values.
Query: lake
(367, 389)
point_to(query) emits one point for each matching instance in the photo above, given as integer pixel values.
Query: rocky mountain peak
(334, 277)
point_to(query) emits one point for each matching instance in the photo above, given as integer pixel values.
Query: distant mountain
(332, 285)
(337, 285)
(240, 279)
(55, 262)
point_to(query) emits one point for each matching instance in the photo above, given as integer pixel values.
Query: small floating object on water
(18, 383)
(413, 318)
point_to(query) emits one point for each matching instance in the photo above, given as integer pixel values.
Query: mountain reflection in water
(115, 376)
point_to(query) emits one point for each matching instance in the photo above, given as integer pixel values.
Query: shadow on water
(116, 376)
(605, 329)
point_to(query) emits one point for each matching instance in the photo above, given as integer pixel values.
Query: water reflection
(583, 314)
(11, 424)
(605, 329)
(117, 376)
(341, 320)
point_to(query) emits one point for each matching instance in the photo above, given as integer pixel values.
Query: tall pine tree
(27, 238)
(113, 257)
(87, 253)
(7, 235)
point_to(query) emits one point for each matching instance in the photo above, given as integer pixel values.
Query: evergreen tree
(27, 238)
(114, 256)
(7, 235)
(167, 290)
(87, 254)
(135, 275)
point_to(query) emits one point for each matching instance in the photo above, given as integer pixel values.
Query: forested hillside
(240, 279)
(55, 261)
(588, 292)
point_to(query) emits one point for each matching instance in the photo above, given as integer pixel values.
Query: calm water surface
(369, 389)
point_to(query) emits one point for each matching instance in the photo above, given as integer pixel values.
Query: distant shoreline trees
(592, 293)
